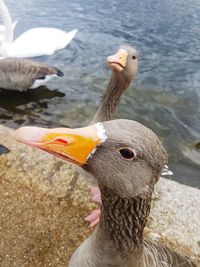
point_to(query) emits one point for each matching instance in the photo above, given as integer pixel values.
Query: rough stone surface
(37, 228)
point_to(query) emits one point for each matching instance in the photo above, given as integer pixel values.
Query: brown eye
(127, 153)
(134, 57)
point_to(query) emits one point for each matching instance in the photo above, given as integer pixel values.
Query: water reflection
(18, 108)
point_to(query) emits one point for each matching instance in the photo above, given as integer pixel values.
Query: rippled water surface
(166, 93)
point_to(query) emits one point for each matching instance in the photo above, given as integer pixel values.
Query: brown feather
(20, 74)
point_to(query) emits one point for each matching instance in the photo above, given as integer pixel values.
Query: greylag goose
(124, 69)
(21, 74)
(124, 66)
(126, 159)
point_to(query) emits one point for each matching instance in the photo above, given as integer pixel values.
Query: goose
(21, 74)
(126, 159)
(34, 42)
(123, 65)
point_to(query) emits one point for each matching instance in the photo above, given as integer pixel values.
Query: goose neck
(111, 97)
(120, 231)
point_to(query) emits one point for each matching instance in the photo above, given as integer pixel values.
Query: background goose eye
(127, 153)
(133, 57)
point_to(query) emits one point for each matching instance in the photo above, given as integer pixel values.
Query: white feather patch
(101, 134)
(39, 82)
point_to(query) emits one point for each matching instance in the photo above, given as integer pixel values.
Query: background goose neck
(117, 85)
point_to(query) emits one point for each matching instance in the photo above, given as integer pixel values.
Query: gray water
(166, 93)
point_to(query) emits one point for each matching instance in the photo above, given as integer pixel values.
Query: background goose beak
(73, 145)
(118, 60)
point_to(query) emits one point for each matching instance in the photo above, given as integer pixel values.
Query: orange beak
(118, 60)
(73, 145)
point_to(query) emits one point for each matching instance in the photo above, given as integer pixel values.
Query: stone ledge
(37, 229)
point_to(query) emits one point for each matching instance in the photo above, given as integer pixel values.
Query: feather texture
(21, 74)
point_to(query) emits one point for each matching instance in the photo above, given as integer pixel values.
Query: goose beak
(73, 145)
(118, 61)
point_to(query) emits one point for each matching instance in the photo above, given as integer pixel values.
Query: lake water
(166, 93)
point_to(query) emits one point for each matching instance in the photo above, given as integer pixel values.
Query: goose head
(125, 61)
(122, 155)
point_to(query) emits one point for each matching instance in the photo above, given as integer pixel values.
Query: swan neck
(5, 15)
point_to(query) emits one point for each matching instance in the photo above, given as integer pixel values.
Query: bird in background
(20, 74)
(34, 42)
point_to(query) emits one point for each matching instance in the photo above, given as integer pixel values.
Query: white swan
(3, 30)
(32, 43)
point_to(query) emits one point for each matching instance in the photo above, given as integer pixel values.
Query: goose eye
(134, 57)
(127, 153)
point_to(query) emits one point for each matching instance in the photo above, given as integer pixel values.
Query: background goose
(34, 42)
(124, 66)
(21, 74)
(124, 69)
(126, 159)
